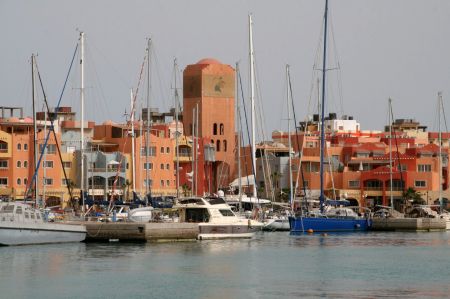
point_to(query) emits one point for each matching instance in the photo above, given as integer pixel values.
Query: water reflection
(272, 265)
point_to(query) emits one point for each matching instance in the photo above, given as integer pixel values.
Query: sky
(386, 49)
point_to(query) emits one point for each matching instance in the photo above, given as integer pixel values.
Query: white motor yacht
(215, 218)
(21, 224)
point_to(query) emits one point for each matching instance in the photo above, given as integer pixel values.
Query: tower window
(215, 129)
(222, 129)
(218, 146)
(224, 145)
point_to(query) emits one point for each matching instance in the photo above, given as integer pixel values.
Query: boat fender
(310, 231)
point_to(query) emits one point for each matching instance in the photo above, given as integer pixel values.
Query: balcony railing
(106, 169)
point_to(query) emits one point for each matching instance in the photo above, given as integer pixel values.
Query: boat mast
(177, 151)
(441, 202)
(193, 151)
(196, 150)
(133, 155)
(147, 133)
(82, 116)
(238, 139)
(35, 141)
(291, 195)
(390, 153)
(252, 101)
(44, 175)
(322, 129)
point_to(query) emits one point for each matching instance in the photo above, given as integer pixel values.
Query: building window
(25, 164)
(19, 164)
(218, 146)
(224, 145)
(3, 181)
(64, 182)
(161, 166)
(401, 167)
(168, 183)
(162, 183)
(3, 163)
(48, 164)
(167, 166)
(68, 164)
(353, 184)
(148, 165)
(25, 181)
(19, 146)
(48, 181)
(362, 155)
(151, 151)
(3, 147)
(161, 150)
(221, 129)
(25, 146)
(146, 181)
(420, 184)
(215, 129)
(424, 168)
(167, 150)
(19, 181)
(51, 148)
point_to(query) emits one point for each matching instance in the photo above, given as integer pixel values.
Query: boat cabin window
(38, 215)
(216, 200)
(19, 210)
(7, 209)
(27, 214)
(32, 215)
(226, 212)
(197, 215)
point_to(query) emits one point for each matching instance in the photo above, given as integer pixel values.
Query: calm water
(272, 265)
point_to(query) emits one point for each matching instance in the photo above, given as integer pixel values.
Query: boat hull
(43, 233)
(276, 225)
(223, 231)
(305, 224)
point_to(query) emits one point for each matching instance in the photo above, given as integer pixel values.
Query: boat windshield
(191, 200)
(216, 201)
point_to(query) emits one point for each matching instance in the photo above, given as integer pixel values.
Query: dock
(408, 224)
(140, 232)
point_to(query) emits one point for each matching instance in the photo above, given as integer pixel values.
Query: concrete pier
(408, 224)
(140, 232)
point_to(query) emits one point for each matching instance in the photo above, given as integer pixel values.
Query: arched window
(218, 146)
(19, 164)
(19, 146)
(224, 145)
(25, 146)
(215, 129)
(19, 182)
(25, 164)
(222, 129)
(212, 141)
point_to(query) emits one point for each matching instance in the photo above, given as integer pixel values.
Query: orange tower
(210, 86)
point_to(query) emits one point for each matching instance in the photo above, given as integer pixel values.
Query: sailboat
(328, 219)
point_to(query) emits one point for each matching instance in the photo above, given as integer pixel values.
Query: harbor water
(272, 265)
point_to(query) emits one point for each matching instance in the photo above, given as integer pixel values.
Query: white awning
(245, 181)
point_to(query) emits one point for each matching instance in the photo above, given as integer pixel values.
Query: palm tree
(413, 196)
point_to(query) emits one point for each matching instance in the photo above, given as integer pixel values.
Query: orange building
(210, 86)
